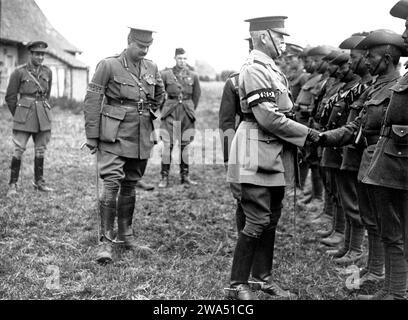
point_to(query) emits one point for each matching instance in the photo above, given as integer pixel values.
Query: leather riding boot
(126, 207)
(165, 169)
(104, 250)
(262, 266)
(184, 168)
(14, 174)
(241, 267)
(39, 182)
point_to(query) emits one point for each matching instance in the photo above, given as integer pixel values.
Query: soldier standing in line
(384, 50)
(256, 160)
(120, 106)
(303, 106)
(297, 76)
(387, 178)
(230, 116)
(27, 97)
(178, 115)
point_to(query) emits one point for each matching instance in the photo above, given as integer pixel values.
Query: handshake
(316, 137)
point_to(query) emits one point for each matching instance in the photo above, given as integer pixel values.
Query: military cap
(180, 51)
(341, 59)
(141, 36)
(332, 55)
(319, 51)
(383, 37)
(37, 46)
(400, 10)
(351, 42)
(273, 23)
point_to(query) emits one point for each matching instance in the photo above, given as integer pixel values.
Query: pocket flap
(396, 150)
(400, 131)
(24, 102)
(114, 112)
(399, 87)
(123, 81)
(377, 102)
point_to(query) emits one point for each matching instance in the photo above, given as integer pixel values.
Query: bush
(65, 103)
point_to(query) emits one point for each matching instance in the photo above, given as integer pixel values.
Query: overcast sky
(210, 30)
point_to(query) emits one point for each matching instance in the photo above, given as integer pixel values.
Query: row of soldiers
(354, 98)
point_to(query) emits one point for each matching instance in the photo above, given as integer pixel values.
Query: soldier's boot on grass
(39, 182)
(164, 181)
(333, 240)
(262, 266)
(345, 246)
(14, 174)
(373, 273)
(125, 237)
(241, 267)
(355, 243)
(184, 168)
(104, 250)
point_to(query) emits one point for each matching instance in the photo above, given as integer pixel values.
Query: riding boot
(14, 174)
(126, 207)
(107, 216)
(164, 182)
(184, 168)
(241, 268)
(39, 182)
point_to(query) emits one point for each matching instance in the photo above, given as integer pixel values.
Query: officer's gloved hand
(323, 138)
(92, 145)
(313, 136)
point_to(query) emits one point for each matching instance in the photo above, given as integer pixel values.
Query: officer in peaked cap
(178, 118)
(37, 46)
(387, 176)
(266, 106)
(384, 51)
(120, 105)
(27, 97)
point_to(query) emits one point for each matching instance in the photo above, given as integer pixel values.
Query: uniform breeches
(20, 140)
(119, 173)
(262, 208)
(177, 126)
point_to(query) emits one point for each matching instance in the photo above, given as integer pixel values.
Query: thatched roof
(22, 21)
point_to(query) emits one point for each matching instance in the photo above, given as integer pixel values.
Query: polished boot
(104, 250)
(39, 182)
(164, 182)
(341, 252)
(14, 174)
(334, 240)
(262, 266)
(184, 168)
(241, 267)
(126, 207)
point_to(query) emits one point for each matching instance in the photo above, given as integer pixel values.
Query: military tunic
(304, 101)
(183, 94)
(121, 104)
(256, 151)
(27, 97)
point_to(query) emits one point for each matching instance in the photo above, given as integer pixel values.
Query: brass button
(399, 153)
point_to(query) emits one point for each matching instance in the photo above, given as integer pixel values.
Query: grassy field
(47, 241)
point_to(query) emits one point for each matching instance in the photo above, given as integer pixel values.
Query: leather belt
(249, 117)
(180, 97)
(33, 96)
(140, 106)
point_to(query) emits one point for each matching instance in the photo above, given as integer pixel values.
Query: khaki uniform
(257, 156)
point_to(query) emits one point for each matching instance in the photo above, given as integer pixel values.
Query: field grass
(47, 241)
